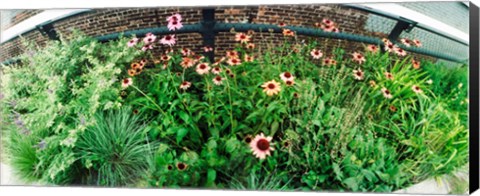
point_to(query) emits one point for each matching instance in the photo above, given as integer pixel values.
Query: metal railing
(209, 28)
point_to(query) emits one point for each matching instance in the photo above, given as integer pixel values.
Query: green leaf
(351, 183)
(181, 133)
(184, 116)
(211, 175)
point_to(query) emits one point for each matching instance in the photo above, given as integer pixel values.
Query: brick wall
(10, 18)
(105, 21)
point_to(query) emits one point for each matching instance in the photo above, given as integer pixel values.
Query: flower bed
(264, 117)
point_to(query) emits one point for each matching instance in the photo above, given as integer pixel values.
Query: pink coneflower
(386, 93)
(250, 46)
(207, 49)
(242, 37)
(417, 43)
(217, 62)
(131, 72)
(416, 64)
(248, 58)
(282, 24)
(328, 22)
(135, 65)
(316, 54)
(392, 108)
(288, 32)
(271, 87)
(216, 70)
(147, 47)
(202, 68)
(198, 57)
(168, 40)
(400, 52)
(174, 17)
(286, 76)
(416, 89)
(335, 30)
(388, 75)
(328, 28)
(261, 146)
(218, 80)
(406, 42)
(358, 74)
(372, 48)
(187, 62)
(174, 25)
(232, 54)
(390, 47)
(359, 58)
(165, 57)
(289, 82)
(126, 82)
(149, 38)
(169, 50)
(186, 52)
(132, 42)
(185, 85)
(329, 61)
(234, 61)
(143, 62)
(182, 166)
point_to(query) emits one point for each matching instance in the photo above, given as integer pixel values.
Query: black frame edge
(474, 160)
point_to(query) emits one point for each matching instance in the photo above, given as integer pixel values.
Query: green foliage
(115, 150)
(330, 130)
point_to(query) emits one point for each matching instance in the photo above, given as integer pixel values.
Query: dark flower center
(169, 167)
(263, 144)
(417, 88)
(125, 81)
(286, 144)
(181, 166)
(174, 22)
(359, 56)
(203, 66)
(135, 111)
(218, 78)
(317, 53)
(271, 86)
(234, 61)
(387, 92)
(184, 83)
(289, 82)
(287, 74)
(231, 75)
(248, 139)
(359, 73)
(295, 95)
(242, 37)
(168, 37)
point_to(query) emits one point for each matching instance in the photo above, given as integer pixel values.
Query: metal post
(208, 23)
(399, 28)
(47, 29)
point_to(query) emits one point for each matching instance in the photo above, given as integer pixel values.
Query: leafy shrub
(296, 116)
(115, 149)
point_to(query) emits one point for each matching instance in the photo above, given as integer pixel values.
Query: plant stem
(150, 99)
